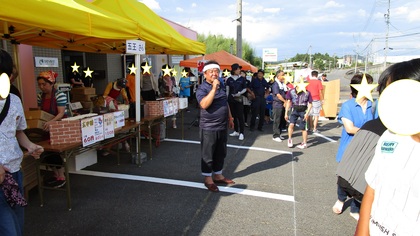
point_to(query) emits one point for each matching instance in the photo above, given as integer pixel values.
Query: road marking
(233, 146)
(325, 137)
(183, 183)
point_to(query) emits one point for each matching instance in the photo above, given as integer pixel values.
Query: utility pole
(310, 56)
(387, 33)
(239, 30)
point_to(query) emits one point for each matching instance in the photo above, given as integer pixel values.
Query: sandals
(338, 207)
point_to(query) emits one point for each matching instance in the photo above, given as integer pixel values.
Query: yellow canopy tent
(82, 26)
(158, 29)
(63, 24)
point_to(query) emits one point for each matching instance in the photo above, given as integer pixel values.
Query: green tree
(215, 43)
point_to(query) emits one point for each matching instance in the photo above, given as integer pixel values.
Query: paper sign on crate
(119, 119)
(183, 103)
(109, 125)
(88, 131)
(92, 130)
(170, 107)
(98, 122)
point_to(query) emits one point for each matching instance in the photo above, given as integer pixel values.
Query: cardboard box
(65, 131)
(82, 97)
(87, 105)
(38, 115)
(83, 160)
(125, 108)
(83, 91)
(165, 107)
(35, 124)
(331, 98)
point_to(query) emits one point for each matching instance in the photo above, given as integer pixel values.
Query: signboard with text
(46, 62)
(269, 54)
(135, 47)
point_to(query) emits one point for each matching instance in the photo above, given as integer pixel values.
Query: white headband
(211, 66)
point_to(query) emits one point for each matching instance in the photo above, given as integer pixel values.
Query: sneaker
(241, 136)
(277, 139)
(302, 146)
(289, 143)
(283, 130)
(315, 131)
(59, 183)
(174, 126)
(281, 138)
(234, 134)
(338, 207)
(355, 215)
(55, 183)
(246, 124)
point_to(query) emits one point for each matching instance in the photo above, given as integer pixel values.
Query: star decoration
(174, 72)
(271, 76)
(75, 67)
(364, 89)
(184, 74)
(4, 85)
(167, 71)
(301, 86)
(133, 69)
(88, 73)
(146, 68)
(288, 79)
(226, 72)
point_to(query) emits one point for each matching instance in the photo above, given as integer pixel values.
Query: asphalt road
(278, 191)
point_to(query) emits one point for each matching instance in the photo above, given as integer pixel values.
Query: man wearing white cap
(215, 117)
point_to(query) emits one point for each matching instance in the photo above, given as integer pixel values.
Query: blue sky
(334, 27)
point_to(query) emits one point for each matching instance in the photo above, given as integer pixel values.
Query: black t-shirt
(235, 86)
(215, 117)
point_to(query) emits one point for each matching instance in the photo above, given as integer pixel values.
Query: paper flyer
(88, 131)
(109, 125)
(98, 122)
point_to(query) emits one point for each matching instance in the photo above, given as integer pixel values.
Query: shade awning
(157, 28)
(81, 26)
(224, 58)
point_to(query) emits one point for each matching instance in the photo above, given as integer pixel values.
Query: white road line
(247, 192)
(232, 146)
(325, 137)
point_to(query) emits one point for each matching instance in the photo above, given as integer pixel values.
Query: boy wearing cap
(235, 88)
(300, 101)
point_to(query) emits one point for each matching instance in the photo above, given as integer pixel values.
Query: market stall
(224, 58)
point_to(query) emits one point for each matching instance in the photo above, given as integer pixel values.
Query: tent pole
(137, 60)
(17, 64)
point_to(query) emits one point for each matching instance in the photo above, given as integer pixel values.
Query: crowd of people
(372, 161)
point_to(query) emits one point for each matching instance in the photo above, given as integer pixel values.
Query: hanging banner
(135, 47)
